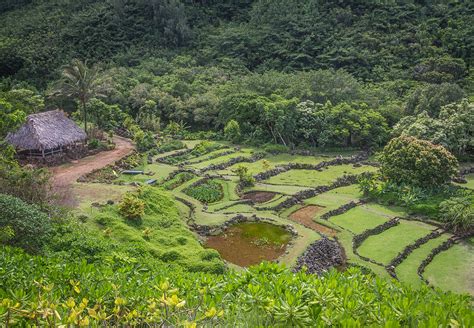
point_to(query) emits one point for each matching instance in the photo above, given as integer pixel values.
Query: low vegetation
(209, 191)
(45, 291)
(232, 106)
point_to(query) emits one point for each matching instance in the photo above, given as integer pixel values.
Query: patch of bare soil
(305, 216)
(259, 196)
(65, 175)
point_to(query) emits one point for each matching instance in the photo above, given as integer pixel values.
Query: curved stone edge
(225, 153)
(435, 251)
(343, 181)
(240, 159)
(357, 240)
(341, 209)
(396, 261)
(301, 166)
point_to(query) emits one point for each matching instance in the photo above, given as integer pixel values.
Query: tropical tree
(80, 82)
(415, 162)
(232, 131)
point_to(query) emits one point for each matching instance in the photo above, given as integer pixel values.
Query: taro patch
(206, 191)
(250, 243)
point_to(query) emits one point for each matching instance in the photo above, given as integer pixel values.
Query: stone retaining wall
(164, 159)
(205, 230)
(302, 166)
(340, 210)
(357, 240)
(227, 152)
(345, 180)
(240, 159)
(408, 250)
(321, 256)
(435, 251)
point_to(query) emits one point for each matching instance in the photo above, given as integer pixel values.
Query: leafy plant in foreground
(131, 207)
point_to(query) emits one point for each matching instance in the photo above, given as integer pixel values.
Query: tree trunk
(85, 116)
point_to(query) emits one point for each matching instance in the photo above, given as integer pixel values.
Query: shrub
(275, 149)
(144, 140)
(170, 256)
(246, 179)
(232, 131)
(210, 254)
(407, 160)
(131, 207)
(458, 212)
(182, 240)
(204, 147)
(93, 143)
(31, 228)
(171, 145)
(27, 183)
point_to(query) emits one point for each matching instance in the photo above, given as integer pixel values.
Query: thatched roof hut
(47, 131)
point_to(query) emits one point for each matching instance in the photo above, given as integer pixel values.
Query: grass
(169, 238)
(275, 160)
(160, 172)
(470, 181)
(88, 193)
(209, 156)
(167, 241)
(386, 245)
(359, 219)
(336, 197)
(222, 159)
(407, 270)
(313, 178)
(453, 269)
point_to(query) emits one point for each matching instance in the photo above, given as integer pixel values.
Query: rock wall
(435, 251)
(359, 239)
(165, 159)
(340, 210)
(408, 250)
(302, 166)
(345, 180)
(240, 159)
(321, 256)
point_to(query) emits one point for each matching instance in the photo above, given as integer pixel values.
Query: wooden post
(42, 152)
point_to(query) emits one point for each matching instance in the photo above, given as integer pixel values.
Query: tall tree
(80, 82)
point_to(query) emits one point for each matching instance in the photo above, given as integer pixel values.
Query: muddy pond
(250, 243)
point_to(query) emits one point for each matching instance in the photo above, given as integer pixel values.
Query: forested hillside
(200, 138)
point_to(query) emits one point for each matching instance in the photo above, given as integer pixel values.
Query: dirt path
(65, 175)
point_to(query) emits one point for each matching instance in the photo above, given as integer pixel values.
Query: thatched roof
(46, 130)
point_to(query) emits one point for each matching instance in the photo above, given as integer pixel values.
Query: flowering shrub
(123, 292)
(407, 160)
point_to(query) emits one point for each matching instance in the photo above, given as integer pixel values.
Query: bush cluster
(411, 161)
(126, 292)
(23, 225)
(131, 207)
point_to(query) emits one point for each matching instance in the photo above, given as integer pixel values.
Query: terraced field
(294, 196)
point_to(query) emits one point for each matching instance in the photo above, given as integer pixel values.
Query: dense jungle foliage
(313, 73)
(278, 74)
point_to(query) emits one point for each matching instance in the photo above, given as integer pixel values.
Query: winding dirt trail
(65, 175)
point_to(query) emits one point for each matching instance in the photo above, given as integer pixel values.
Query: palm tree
(80, 82)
